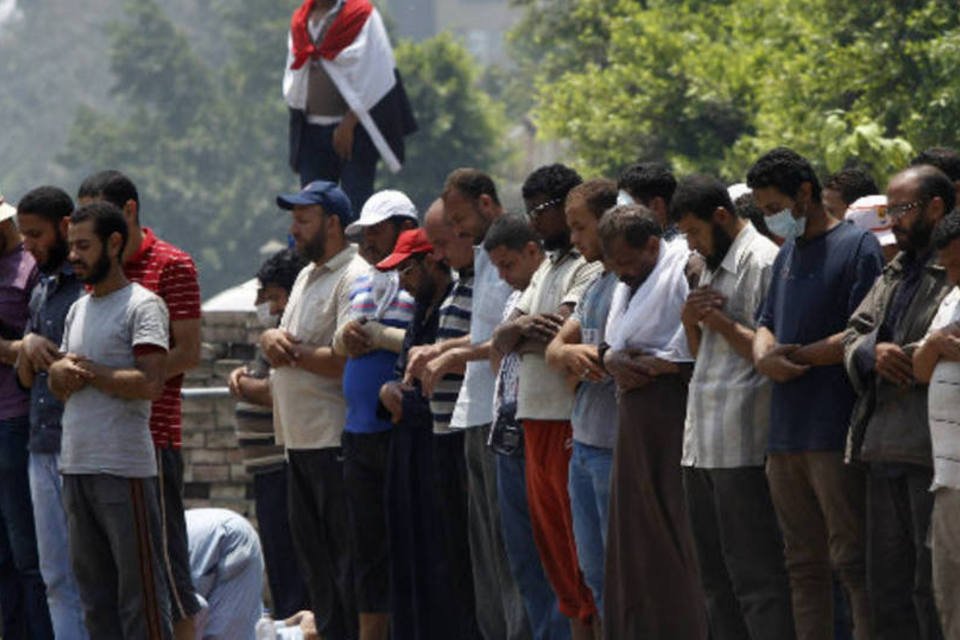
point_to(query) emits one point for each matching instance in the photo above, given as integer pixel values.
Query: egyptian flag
(356, 54)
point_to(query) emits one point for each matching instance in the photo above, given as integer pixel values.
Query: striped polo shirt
(454, 323)
(170, 273)
(375, 296)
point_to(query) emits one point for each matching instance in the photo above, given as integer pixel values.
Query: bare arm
(25, 373)
(185, 353)
(821, 353)
(143, 382)
(738, 336)
(321, 361)
(568, 355)
(249, 388)
(9, 349)
(943, 344)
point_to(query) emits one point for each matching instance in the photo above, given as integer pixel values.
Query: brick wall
(213, 464)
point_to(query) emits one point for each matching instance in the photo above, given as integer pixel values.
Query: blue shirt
(363, 376)
(49, 303)
(815, 287)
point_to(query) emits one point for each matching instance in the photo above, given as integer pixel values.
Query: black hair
(746, 207)
(107, 219)
(599, 194)
(633, 222)
(943, 158)
(112, 186)
(699, 195)
(553, 181)
(932, 183)
(50, 203)
(281, 269)
(852, 183)
(785, 170)
(947, 230)
(511, 231)
(472, 183)
(645, 181)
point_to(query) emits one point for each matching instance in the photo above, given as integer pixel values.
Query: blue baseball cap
(324, 193)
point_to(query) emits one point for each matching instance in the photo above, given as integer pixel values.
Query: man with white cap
(25, 612)
(870, 213)
(379, 314)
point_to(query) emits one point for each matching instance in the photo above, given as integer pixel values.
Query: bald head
(455, 251)
(917, 198)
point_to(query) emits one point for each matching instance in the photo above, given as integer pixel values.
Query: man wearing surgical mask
(822, 272)
(262, 457)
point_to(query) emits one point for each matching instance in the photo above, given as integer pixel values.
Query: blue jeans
(25, 613)
(63, 598)
(589, 504)
(546, 621)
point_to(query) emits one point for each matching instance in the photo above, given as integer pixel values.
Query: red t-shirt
(170, 273)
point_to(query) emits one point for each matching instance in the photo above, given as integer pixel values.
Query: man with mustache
(43, 215)
(115, 341)
(889, 426)
(169, 272)
(308, 404)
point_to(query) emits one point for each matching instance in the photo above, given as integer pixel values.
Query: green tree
(206, 145)
(460, 125)
(711, 84)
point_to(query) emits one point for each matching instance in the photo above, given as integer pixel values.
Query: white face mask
(785, 225)
(264, 316)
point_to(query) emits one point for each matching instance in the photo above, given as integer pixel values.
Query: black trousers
(287, 589)
(365, 480)
(431, 585)
(899, 505)
(318, 521)
(740, 552)
(176, 561)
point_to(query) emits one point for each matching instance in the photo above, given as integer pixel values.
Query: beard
(918, 238)
(314, 248)
(99, 271)
(721, 245)
(425, 291)
(55, 257)
(557, 242)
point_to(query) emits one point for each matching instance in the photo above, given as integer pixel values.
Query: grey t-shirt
(595, 407)
(103, 433)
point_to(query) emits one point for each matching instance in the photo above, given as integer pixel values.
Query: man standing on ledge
(341, 72)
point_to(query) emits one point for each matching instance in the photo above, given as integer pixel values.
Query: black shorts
(364, 479)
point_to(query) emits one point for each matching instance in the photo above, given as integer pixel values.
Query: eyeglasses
(897, 211)
(540, 208)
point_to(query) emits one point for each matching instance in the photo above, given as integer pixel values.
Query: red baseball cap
(410, 243)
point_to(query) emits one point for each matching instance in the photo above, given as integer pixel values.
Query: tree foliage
(206, 140)
(711, 84)
(460, 125)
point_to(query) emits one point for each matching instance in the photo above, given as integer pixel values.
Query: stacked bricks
(213, 463)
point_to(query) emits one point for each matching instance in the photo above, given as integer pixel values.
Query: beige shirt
(309, 410)
(561, 279)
